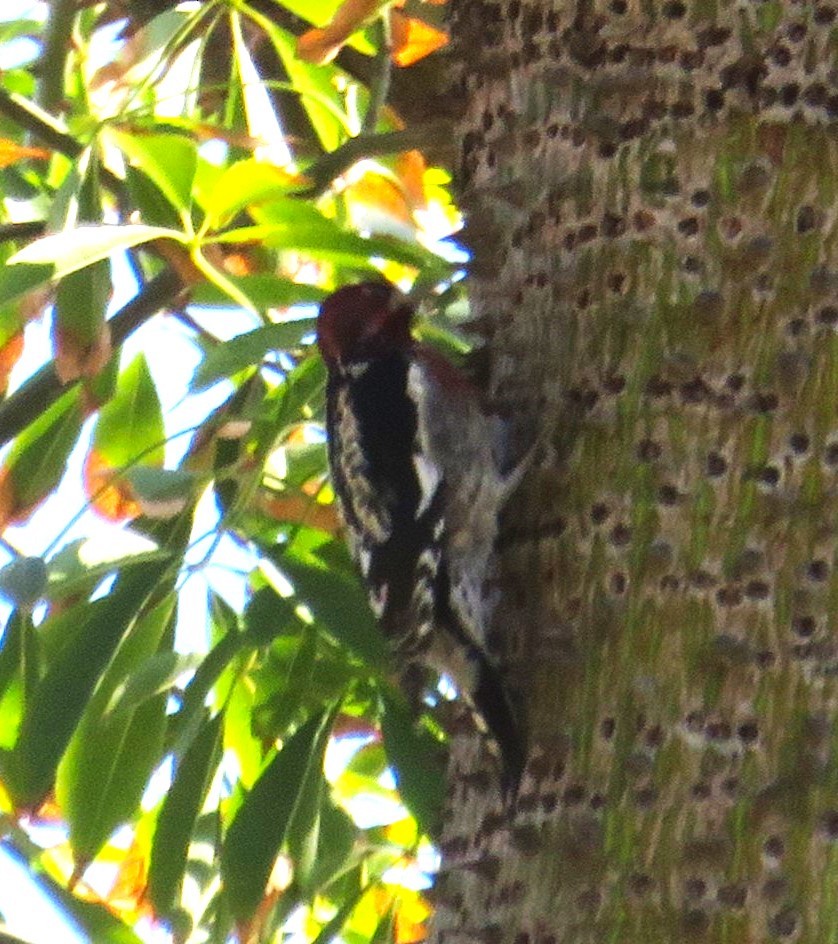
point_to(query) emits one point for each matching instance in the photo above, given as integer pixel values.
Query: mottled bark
(651, 198)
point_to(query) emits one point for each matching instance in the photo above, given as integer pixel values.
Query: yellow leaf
(411, 917)
(128, 889)
(402, 833)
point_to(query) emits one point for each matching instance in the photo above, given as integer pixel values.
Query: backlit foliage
(186, 647)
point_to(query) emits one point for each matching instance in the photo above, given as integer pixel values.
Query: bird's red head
(363, 322)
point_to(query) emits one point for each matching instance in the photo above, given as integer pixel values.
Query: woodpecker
(416, 466)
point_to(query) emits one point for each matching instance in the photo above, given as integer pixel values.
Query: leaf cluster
(196, 182)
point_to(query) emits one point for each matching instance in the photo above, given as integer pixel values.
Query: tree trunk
(650, 190)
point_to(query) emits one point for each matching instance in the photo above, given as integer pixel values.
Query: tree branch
(59, 29)
(380, 86)
(29, 229)
(40, 123)
(323, 171)
(48, 129)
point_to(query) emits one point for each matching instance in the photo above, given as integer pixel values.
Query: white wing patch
(378, 600)
(428, 472)
(368, 508)
(364, 558)
(356, 371)
(429, 481)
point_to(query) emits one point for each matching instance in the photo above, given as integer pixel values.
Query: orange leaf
(413, 39)
(109, 494)
(410, 169)
(11, 153)
(9, 355)
(75, 358)
(11, 509)
(378, 205)
(320, 46)
(241, 263)
(316, 47)
(300, 510)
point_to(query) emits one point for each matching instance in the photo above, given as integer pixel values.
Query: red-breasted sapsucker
(415, 465)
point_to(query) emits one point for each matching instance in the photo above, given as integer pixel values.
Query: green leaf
(418, 760)
(292, 212)
(268, 615)
(304, 828)
(339, 605)
(335, 840)
(17, 280)
(304, 461)
(264, 291)
(38, 458)
(168, 489)
(176, 822)
(385, 933)
(11, 648)
(78, 198)
(208, 674)
(130, 426)
(18, 671)
(169, 160)
(369, 762)
(303, 387)
(248, 350)
(74, 249)
(154, 676)
(259, 829)
(319, 95)
(23, 581)
(93, 633)
(332, 928)
(327, 241)
(110, 757)
(79, 566)
(81, 300)
(293, 692)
